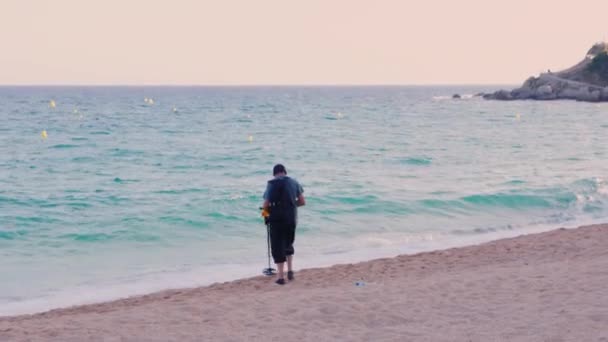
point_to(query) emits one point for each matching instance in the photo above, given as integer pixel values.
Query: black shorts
(282, 237)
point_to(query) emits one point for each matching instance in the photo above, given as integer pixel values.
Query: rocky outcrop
(586, 81)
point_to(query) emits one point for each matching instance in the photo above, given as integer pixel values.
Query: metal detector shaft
(268, 243)
(268, 271)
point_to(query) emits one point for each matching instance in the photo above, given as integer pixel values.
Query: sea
(110, 192)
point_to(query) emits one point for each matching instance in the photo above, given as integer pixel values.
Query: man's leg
(280, 270)
(289, 263)
(277, 245)
(291, 235)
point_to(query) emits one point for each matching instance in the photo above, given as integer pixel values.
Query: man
(282, 198)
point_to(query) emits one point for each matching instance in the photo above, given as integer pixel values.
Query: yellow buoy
(43, 134)
(250, 138)
(52, 104)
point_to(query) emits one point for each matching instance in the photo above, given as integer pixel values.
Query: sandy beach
(541, 287)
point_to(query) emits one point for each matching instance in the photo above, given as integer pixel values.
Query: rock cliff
(585, 81)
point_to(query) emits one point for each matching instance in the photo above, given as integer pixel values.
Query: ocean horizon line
(261, 85)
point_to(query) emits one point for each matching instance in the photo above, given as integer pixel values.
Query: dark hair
(278, 169)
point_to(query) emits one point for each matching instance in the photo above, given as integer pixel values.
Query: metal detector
(269, 271)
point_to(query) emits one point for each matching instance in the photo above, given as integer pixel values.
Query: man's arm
(266, 204)
(301, 201)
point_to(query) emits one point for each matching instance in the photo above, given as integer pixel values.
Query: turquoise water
(126, 197)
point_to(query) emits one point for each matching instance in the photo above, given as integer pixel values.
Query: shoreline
(429, 243)
(433, 241)
(479, 280)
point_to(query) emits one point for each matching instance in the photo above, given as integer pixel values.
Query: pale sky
(293, 42)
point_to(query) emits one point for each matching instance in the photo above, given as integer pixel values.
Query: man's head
(279, 170)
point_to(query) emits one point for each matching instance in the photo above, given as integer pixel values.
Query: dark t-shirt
(282, 193)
